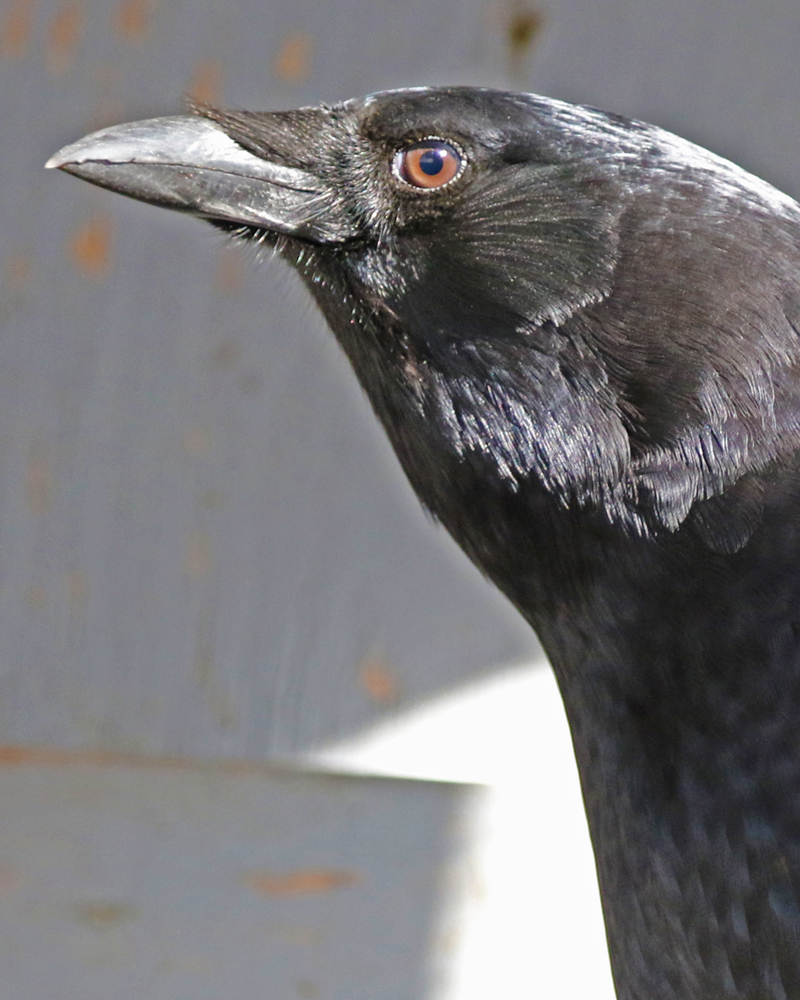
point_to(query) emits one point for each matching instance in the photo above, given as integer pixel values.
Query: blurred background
(264, 732)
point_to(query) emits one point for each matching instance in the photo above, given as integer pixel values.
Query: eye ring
(429, 164)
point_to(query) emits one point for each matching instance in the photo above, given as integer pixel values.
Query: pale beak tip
(57, 160)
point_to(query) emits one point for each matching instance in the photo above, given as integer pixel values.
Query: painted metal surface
(184, 881)
(206, 546)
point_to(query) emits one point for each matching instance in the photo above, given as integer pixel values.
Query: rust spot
(15, 29)
(229, 274)
(524, 27)
(36, 596)
(77, 591)
(17, 755)
(64, 38)
(38, 483)
(90, 247)
(196, 442)
(293, 60)
(27, 756)
(306, 989)
(197, 561)
(377, 678)
(225, 354)
(100, 915)
(19, 271)
(133, 20)
(206, 82)
(304, 882)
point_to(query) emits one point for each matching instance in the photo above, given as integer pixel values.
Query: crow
(581, 335)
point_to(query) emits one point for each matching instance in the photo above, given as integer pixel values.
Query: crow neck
(680, 672)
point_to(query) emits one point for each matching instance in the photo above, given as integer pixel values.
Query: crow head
(581, 335)
(533, 295)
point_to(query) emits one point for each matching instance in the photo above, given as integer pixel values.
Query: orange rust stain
(229, 274)
(100, 915)
(33, 756)
(64, 37)
(293, 61)
(197, 561)
(377, 678)
(133, 20)
(77, 584)
(36, 596)
(524, 27)
(206, 82)
(304, 882)
(19, 271)
(90, 248)
(307, 989)
(38, 484)
(196, 441)
(15, 29)
(17, 755)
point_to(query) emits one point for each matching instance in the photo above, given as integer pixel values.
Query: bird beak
(190, 164)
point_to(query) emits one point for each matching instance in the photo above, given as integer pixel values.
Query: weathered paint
(133, 20)
(64, 37)
(127, 878)
(89, 247)
(206, 81)
(378, 679)
(15, 29)
(305, 882)
(292, 62)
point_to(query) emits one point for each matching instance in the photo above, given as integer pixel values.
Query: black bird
(581, 334)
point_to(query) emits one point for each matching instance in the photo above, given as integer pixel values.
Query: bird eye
(431, 163)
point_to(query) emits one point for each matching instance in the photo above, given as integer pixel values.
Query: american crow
(581, 335)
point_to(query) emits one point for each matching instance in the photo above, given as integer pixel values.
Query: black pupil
(432, 161)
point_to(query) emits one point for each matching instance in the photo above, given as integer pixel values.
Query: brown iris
(431, 163)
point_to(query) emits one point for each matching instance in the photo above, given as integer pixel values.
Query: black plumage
(584, 349)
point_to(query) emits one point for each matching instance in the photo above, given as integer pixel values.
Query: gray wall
(206, 548)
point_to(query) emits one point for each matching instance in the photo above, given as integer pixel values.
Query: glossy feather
(585, 353)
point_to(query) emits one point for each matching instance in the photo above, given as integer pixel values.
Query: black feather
(585, 353)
